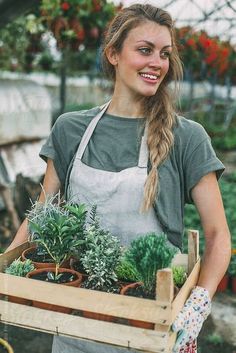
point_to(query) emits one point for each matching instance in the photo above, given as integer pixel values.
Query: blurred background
(50, 64)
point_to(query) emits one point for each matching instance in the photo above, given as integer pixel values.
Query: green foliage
(192, 220)
(148, 254)
(232, 266)
(215, 339)
(101, 257)
(57, 228)
(126, 272)
(12, 51)
(20, 268)
(179, 275)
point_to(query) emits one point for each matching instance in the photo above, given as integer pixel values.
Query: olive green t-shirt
(115, 145)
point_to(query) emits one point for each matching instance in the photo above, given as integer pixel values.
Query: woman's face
(143, 61)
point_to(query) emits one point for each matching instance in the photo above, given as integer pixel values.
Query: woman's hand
(189, 321)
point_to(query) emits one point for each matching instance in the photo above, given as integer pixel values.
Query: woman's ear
(112, 56)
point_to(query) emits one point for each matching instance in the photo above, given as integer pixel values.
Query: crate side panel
(77, 327)
(85, 299)
(184, 292)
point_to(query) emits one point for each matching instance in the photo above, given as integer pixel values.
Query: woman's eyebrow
(152, 44)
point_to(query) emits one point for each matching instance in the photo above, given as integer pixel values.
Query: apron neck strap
(143, 154)
(89, 131)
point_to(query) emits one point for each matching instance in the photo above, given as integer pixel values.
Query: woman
(140, 162)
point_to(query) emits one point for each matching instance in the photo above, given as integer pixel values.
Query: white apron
(118, 196)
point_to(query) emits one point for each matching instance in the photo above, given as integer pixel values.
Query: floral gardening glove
(188, 322)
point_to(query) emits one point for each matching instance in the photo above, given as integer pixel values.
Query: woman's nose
(155, 61)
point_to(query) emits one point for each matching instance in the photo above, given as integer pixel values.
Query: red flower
(96, 5)
(94, 32)
(65, 6)
(81, 34)
(191, 42)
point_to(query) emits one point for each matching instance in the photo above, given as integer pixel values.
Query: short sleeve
(201, 161)
(57, 151)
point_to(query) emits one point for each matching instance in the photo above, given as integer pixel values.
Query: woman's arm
(207, 198)
(51, 185)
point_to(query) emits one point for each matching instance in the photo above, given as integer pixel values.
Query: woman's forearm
(215, 260)
(21, 235)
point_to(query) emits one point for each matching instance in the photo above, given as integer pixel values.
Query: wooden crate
(161, 311)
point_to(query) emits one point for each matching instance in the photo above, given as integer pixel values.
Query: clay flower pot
(27, 254)
(17, 300)
(223, 285)
(132, 322)
(43, 272)
(97, 316)
(233, 284)
(5, 346)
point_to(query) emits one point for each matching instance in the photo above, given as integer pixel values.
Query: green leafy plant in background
(148, 254)
(179, 276)
(20, 268)
(101, 256)
(192, 220)
(215, 339)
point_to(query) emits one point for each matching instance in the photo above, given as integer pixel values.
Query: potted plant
(147, 254)
(232, 273)
(57, 230)
(5, 347)
(19, 268)
(100, 259)
(223, 285)
(125, 272)
(179, 277)
(50, 224)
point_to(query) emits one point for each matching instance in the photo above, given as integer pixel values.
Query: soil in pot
(136, 290)
(40, 260)
(68, 278)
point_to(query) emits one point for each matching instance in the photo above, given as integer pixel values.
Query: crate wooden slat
(77, 327)
(161, 311)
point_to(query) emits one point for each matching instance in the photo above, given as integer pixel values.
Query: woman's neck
(123, 106)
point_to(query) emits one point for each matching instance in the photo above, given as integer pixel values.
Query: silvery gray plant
(20, 268)
(101, 257)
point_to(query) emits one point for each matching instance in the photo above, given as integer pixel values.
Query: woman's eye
(165, 54)
(145, 50)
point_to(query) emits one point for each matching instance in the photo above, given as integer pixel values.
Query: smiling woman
(140, 162)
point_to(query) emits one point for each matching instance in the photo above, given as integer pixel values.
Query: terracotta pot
(223, 285)
(132, 322)
(58, 308)
(17, 300)
(97, 316)
(233, 284)
(6, 345)
(25, 256)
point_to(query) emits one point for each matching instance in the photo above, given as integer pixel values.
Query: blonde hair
(159, 109)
